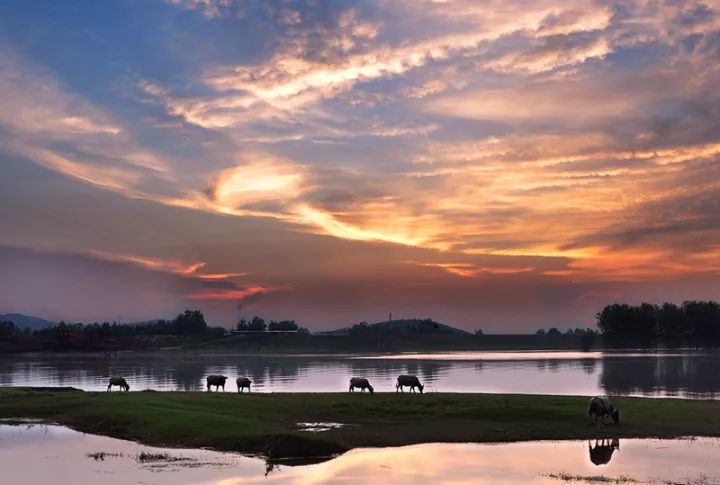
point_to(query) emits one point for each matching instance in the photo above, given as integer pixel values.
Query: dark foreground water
(43, 454)
(695, 375)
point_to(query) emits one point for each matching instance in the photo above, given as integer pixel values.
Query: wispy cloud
(561, 141)
(234, 294)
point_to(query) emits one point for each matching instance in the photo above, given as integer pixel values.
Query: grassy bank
(267, 423)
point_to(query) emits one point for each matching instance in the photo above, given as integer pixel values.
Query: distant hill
(25, 321)
(400, 327)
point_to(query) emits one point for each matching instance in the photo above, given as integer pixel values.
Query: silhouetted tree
(257, 324)
(282, 326)
(587, 340)
(673, 327)
(704, 321)
(645, 328)
(8, 331)
(361, 328)
(695, 322)
(190, 322)
(615, 321)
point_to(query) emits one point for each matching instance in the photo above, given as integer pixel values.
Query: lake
(691, 375)
(42, 454)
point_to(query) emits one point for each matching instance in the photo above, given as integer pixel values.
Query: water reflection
(602, 450)
(52, 454)
(690, 375)
(677, 374)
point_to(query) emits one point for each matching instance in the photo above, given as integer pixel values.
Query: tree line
(692, 324)
(586, 336)
(258, 324)
(190, 322)
(186, 324)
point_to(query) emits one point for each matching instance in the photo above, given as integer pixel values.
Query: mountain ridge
(26, 321)
(401, 326)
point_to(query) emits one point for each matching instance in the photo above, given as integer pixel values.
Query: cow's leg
(109, 385)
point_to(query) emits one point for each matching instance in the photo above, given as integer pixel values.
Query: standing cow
(408, 381)
(120, 382)
(601, 406)
(217, 381)
(361, 383)
(243, 383)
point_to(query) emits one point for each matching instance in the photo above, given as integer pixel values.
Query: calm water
(43, 454)
(680, 374)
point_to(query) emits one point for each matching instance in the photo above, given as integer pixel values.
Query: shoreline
(269, 424)
(409, 354)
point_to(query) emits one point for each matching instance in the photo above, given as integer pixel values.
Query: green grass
(267, 423)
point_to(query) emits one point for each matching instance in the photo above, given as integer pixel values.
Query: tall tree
(257, 324)
(673, 328)
(190, 322)
(704, 321)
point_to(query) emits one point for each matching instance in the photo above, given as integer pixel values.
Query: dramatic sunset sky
(504, 165)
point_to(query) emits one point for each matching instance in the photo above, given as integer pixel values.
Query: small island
(275, 425)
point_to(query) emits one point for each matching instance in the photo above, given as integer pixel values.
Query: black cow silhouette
(602, 452)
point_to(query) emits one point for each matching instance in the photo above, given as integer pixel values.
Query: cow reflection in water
(602, 452)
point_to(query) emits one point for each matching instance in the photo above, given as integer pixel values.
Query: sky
(500, 165)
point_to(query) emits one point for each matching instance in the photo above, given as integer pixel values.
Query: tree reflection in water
(679, 374)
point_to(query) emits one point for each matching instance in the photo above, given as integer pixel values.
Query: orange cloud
(156, 264)
(234, 293)
(220, 276)
(260, 179)
(469, 270)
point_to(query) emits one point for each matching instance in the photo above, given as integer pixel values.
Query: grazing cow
(600, 406)
(361, 383)
(242, 383)
(408, 381)
(602, 452)
(217, 381)
(120, 382)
